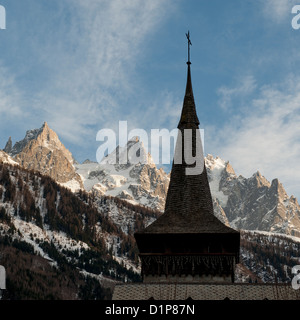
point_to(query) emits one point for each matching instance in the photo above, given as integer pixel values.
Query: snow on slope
(273, 234)
(73, 185)
(132, 153)
(138, 182)
(5, 158)
(216, 167)
(93, 174)
(32, 234)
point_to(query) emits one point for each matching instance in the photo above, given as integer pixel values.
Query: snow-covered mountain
(243, 203)
(139, 183)
(253, 203)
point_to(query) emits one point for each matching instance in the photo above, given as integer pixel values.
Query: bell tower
(187, 243)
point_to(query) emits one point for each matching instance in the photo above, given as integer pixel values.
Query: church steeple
(188, 239)
(189, 206)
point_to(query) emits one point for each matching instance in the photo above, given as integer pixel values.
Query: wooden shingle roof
(189, 206)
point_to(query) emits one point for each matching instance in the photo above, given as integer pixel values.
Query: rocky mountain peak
(244, 203)
(87, 161)
(42, 150)
(211, 161)
(132, 153)
(278, 189)
(20, 145)
(229, 168)
(136, 178)
(294, 200)
(259, 180)
(8, 146)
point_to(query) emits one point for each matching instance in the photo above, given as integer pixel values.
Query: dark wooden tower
(188, 243)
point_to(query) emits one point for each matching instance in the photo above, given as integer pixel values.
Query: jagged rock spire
(8, 146)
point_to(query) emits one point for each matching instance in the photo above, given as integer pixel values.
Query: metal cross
(189, 44)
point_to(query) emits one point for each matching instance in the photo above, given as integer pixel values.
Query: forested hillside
(56, 244)
(40, 217)
(270, 256)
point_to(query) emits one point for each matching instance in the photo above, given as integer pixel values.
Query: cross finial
(189, 44)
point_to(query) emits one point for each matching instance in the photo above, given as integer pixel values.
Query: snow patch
(73, 185)
(5, 158)
(217, 166)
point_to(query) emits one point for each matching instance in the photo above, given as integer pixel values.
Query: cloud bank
(266, 135)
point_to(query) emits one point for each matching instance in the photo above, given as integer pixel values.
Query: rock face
(8, 146)
(42, 150)
(139, 181)
(242, 203)
(253, 203)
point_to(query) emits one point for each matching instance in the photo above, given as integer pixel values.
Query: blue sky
(83, 65)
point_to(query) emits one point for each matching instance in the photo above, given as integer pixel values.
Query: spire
(187, 242)
(8, 146)
(189, 206)
(189, 118)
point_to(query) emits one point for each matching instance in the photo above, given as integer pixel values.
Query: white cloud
(163, 111)
(95, 74)
(246, 86)
(10, 96)
(267, 137)
(278, 10)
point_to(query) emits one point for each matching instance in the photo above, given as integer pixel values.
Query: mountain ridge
(251, 203)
